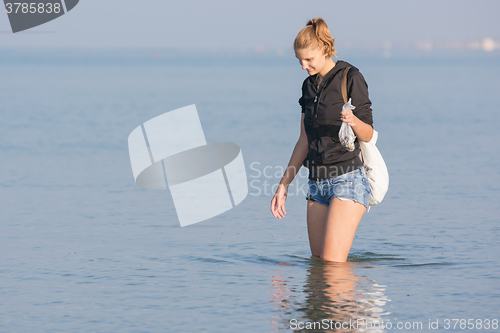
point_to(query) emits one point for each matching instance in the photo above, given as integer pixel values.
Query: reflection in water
(333, 298)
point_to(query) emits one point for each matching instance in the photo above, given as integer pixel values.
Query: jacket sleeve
(301, 102)
(301, 99)
(358, 91)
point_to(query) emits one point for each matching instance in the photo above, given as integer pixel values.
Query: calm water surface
(83, 249)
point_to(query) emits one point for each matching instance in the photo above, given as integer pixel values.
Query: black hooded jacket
(322, 107)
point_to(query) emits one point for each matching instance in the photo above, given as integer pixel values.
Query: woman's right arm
(299, 154)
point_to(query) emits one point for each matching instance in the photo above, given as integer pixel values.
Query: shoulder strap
(344, 84)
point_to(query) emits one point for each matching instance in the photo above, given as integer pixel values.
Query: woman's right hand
(278, 202)
(299, 154)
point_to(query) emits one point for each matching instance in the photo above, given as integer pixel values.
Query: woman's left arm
(361, 120)
(362, 130)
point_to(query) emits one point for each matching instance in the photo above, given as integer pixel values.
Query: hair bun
(317, 37)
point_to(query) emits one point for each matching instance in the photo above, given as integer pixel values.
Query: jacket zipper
(316, 102)
(316, 99)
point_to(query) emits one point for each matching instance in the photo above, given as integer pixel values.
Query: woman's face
(312, 60)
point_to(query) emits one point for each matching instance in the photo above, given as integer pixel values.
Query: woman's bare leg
(316, 219)
(342, 221)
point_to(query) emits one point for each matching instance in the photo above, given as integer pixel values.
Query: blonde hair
(315, 35)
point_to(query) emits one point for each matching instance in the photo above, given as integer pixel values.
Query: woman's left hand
(363, 131)
(349, 117)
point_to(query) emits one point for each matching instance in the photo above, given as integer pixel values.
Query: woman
(339, 191)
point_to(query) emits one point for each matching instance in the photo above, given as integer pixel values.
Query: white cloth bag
(376, 170)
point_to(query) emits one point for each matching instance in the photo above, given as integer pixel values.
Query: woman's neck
(328, 67)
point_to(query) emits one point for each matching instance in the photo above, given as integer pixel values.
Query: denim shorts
(353, 185)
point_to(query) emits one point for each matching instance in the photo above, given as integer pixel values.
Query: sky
(237, 24)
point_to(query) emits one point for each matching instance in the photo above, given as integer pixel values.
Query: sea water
(83, 249)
